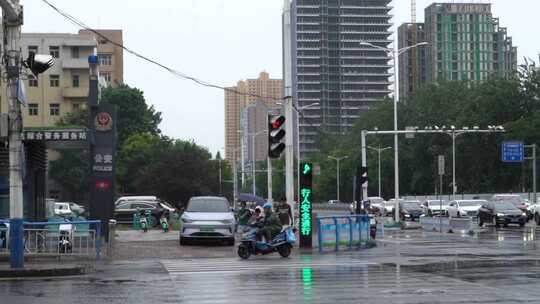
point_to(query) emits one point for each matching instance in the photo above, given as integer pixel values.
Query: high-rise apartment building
(413, 63)
(328, 66)
(263, 89)
(111, 56)
(61, 89)
(465, 43)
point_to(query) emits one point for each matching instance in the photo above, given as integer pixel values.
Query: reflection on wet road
(492, 266)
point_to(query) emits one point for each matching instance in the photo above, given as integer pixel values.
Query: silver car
(207, 217)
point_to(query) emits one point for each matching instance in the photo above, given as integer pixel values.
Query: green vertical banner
(305, 205)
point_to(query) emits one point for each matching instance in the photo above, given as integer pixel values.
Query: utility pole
(12, 19)
(379, 150)
(220, 186)
(235, 180)
(338, 160)
(269, 172)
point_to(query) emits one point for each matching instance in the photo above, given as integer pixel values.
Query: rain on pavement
(492, 266)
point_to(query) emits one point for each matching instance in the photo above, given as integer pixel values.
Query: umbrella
(251, 198)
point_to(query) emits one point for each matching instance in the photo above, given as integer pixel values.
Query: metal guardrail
(45, 239)
(445, 224)
(343, 230)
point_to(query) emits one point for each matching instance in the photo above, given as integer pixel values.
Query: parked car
(390, 205)
(135, 198)
(521, 203)
(208, 217)
(77, 209)
(459, 208)
(123, 212)
(333, 202)
(62, 209)
(435, 207)
(501, 213)
(410, 210)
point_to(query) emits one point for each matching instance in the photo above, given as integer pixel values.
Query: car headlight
(227, 221)
(500, 214)
(524, 214)
(186, 220)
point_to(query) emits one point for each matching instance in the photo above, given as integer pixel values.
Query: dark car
(123, 212)
(501, 213)
(410, 210)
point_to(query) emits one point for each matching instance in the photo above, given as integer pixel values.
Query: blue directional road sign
(513, 152)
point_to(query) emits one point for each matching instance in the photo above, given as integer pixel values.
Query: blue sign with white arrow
(513, 152)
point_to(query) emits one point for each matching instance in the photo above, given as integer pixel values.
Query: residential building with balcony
(111, 55)
(61, 89)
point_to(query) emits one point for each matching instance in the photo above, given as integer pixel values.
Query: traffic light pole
(269, 171)
(12, 23)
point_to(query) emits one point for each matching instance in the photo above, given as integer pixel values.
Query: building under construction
(330, 69)
(465, 43)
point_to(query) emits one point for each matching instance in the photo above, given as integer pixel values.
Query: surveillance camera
(38, 63)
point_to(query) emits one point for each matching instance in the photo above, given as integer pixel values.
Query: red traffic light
(277, 122)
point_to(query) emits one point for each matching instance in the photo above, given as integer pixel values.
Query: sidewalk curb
(45, 272)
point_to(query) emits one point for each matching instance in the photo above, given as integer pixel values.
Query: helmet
(267, 205)
(258, 208)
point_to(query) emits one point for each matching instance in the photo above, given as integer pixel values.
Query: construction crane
(414, 51)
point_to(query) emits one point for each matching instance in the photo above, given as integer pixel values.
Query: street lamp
(394, 54)
(338, 160)
(379, 150)
(253, 135)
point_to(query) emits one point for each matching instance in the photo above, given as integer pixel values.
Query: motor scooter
(143, 222)
(164, 222)
(65, 239)
(281, 243)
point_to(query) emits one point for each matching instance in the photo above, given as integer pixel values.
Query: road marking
(236, 265)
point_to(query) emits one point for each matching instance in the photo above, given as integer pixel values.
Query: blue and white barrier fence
(343, 230)
(46, 239)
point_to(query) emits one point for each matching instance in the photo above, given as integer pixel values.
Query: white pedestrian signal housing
(276, 134)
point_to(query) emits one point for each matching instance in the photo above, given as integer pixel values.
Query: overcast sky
(220, 41)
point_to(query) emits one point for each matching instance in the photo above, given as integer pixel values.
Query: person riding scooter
(271, 225)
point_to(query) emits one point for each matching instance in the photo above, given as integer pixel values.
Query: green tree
(134, 114)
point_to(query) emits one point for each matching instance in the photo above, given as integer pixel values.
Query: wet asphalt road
(492, 266)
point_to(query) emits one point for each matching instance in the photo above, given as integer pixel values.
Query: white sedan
(459, 208)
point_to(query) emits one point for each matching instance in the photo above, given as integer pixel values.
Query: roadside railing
(343, 231)
(59, 239)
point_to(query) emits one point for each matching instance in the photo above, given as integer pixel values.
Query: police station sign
(55, 135)
(103, 160)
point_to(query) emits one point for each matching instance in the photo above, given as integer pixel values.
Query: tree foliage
(512, 103)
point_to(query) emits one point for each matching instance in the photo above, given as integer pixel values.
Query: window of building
(75, 80)
(105, 59)
(54, 80)
(55, 109)
(76, 107)
(54, 51)
(106, 76)
(32, 81)
(33, 109)
(32, 49)
(75, 52)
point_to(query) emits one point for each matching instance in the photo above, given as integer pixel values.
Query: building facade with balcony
(329, 66)
(111, 55)
(61, 89)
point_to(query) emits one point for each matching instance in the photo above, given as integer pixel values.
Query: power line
(169, 69)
